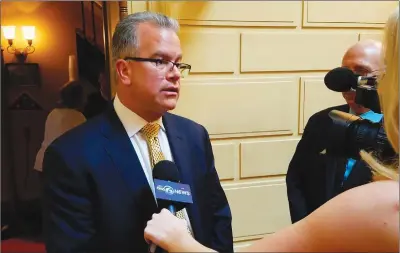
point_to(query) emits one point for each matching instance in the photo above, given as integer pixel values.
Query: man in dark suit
(314, 175)
(99, 192)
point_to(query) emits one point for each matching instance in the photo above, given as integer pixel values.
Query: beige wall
(257, 76)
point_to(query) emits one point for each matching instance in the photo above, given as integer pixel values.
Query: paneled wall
(257, 77)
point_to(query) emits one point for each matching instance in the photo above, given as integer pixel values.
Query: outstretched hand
(167, 231)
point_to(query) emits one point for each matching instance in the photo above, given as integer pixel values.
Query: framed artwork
(22, 75)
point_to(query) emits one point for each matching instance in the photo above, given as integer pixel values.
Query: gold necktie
(150, 132)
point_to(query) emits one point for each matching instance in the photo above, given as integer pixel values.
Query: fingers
(163, 212)
(164, 228)
(148, 234)
(152, 230)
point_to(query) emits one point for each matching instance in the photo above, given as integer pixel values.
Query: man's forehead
(152, 31)
(160, 41)
(364, 55)
(359, 61)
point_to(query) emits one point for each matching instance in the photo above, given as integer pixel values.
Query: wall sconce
(29, 35)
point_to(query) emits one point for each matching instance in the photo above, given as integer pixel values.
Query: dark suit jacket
(314, 178)
(97, 198)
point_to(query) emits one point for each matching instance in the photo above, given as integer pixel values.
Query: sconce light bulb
(9, 32)
(29, 32)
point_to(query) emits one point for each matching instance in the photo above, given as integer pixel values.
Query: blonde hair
(388, 90)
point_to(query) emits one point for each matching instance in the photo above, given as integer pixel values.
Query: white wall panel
(226, 157)
(293, 51)
(235, 13)
(266, 157)
(258, 208)
(347, 13)
(219, 50)
(315, 96)
(378, 36)
(222, 104)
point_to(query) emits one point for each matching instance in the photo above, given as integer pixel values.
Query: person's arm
(170, 233)
(363, 219)
(222, 217)
(67, 208)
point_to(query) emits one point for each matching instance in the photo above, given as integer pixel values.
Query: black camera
(349, 134)
(343, 79)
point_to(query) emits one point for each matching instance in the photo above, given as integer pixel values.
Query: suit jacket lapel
(181, 155)
(123, 155)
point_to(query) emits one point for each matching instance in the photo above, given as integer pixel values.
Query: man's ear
(123, 71)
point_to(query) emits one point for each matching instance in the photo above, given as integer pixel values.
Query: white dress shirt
(132, 124)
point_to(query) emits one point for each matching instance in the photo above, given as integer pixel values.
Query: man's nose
(174, 72)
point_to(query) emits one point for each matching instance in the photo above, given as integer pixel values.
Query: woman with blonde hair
(363, 219)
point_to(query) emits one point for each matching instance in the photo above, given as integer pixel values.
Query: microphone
(343, 79)
(169, 191)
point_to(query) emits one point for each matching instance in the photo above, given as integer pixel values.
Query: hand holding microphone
(167, 231)
(171, 195)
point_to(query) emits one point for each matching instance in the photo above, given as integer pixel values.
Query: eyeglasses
(164, 64)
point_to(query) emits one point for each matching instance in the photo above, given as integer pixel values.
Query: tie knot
(150, 130)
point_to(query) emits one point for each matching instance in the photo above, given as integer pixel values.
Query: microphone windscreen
(340, 79)
(166, 170)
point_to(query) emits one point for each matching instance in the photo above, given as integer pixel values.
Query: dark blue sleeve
(222, 218)
(67, 206)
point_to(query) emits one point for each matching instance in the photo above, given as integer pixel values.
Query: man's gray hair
(125, 39)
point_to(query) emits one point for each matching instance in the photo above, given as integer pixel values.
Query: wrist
(183, 243)
(188, 244)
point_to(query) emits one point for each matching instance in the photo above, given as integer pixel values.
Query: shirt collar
(130, 120)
